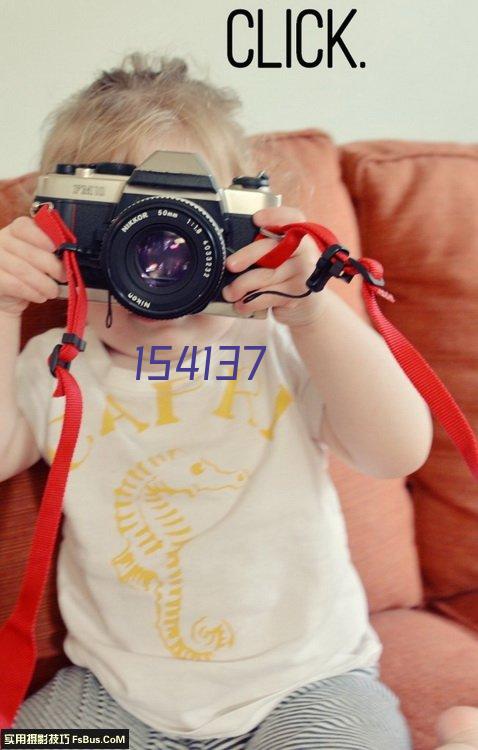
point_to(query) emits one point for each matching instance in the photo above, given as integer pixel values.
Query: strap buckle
(74, 340)
(54, 360)
(327, 268)
(36, 205)
(65, 246)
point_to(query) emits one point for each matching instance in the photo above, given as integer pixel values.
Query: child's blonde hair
(144, 98)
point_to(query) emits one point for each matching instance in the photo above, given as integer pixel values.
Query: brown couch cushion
(431, 663)
(417, 208)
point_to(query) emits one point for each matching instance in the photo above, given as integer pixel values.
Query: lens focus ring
(164, 257)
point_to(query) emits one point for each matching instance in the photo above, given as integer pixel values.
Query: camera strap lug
(37, 205)
(66, 246)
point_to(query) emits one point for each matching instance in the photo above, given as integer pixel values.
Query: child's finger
(248, 255)
(17, 289)
(29, 275)
(37, 257)
(277, 216)
(261, 278)
(25, 229)
(271, 300)
(248, 281)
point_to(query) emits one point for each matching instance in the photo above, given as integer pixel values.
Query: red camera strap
(17, 636)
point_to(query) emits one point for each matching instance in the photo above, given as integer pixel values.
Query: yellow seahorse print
(156, 530)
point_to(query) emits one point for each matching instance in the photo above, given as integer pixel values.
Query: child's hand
(28, 268)
(290, 277)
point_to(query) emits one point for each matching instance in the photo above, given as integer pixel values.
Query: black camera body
(156, 236)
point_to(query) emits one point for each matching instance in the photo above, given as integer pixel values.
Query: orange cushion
(378, 513)
(417, 206)
(431, 664)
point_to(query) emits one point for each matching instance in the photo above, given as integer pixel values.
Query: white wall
(420, 81)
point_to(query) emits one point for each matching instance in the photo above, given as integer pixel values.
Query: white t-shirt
(204, 571)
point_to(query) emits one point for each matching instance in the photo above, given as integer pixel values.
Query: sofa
(414, 540)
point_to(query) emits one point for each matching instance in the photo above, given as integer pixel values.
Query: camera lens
(163, 257)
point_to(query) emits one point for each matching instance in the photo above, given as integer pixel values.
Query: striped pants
(353, 711)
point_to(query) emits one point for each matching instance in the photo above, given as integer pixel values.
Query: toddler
(204, 575)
